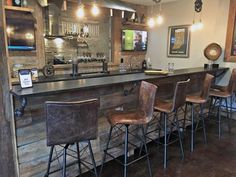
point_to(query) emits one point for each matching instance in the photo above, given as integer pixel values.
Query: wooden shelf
(23, 9)
(135, 24)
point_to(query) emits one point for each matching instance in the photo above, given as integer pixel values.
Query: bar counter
(116, 91)
(105, 80)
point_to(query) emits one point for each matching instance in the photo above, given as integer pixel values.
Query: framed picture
(230, 45)
(178, 41)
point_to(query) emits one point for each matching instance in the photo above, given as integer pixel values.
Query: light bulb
(95, 10)
(80, 12)
(159, 19)
(200, 26)
(193, 27)
(151, 22)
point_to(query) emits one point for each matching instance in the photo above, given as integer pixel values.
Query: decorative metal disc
(213, 51)
(48, 70)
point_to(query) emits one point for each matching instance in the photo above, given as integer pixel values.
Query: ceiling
(146, 2)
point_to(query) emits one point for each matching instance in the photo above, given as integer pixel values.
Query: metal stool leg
(126, 149)
(105, 151)
(165, 141)
(228, 113)
(64, 161)
(92, 158)
(180, 138)
(209, 111)
(203, 124)
(192, 127)
(230, 117)
(49, 162)
(78, 155)
(219, 118)
(185, 115)
(145, 147)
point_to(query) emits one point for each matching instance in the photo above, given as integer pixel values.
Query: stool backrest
(147, 94)
(206, 86)
(232, 81)
(180, 94)
(69, 122)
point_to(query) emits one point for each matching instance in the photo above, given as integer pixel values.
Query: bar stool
(200, 100)
(165, 108)
(69, 123)
(139, 117)
(220, 93)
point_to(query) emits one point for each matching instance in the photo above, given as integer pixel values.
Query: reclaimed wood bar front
(112, 92)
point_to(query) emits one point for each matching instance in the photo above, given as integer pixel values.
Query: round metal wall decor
(213, 51)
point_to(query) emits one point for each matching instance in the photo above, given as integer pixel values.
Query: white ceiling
(146, 2)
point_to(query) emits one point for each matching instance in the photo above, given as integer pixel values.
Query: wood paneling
(7, 157)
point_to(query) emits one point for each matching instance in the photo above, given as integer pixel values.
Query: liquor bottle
(122, 65)
(144, 65)
(17, 3)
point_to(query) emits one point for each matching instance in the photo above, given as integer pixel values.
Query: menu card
(25, 78)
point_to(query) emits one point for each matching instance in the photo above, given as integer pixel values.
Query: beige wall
(215, 19)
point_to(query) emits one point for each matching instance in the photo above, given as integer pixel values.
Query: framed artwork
(230, 45)
(178, 41)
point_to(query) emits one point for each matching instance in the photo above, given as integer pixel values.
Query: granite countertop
(57, 86)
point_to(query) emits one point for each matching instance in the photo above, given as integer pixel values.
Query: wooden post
(7, 152)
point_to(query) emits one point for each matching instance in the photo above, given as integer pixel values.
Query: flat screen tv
(20, 35)
(134, 40)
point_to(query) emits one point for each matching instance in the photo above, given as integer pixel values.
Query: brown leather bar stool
(69, 123)
(200, 100)
(220, 93)
(166, 108)
(141, 116)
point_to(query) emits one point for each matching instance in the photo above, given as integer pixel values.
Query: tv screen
(20, 35)
(134, 40)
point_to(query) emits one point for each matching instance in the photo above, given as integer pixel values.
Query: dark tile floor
(216, 159)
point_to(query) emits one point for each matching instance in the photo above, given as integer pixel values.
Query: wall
(214, 18)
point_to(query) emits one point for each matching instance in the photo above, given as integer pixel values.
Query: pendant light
(151, 21)
(80, 11)
(159, 19)
(197, 24)
(95, 10)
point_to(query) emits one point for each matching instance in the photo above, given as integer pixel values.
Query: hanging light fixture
(197, 25)
(95, 10)
(80, 11)
(159, 19)
(151, 21)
